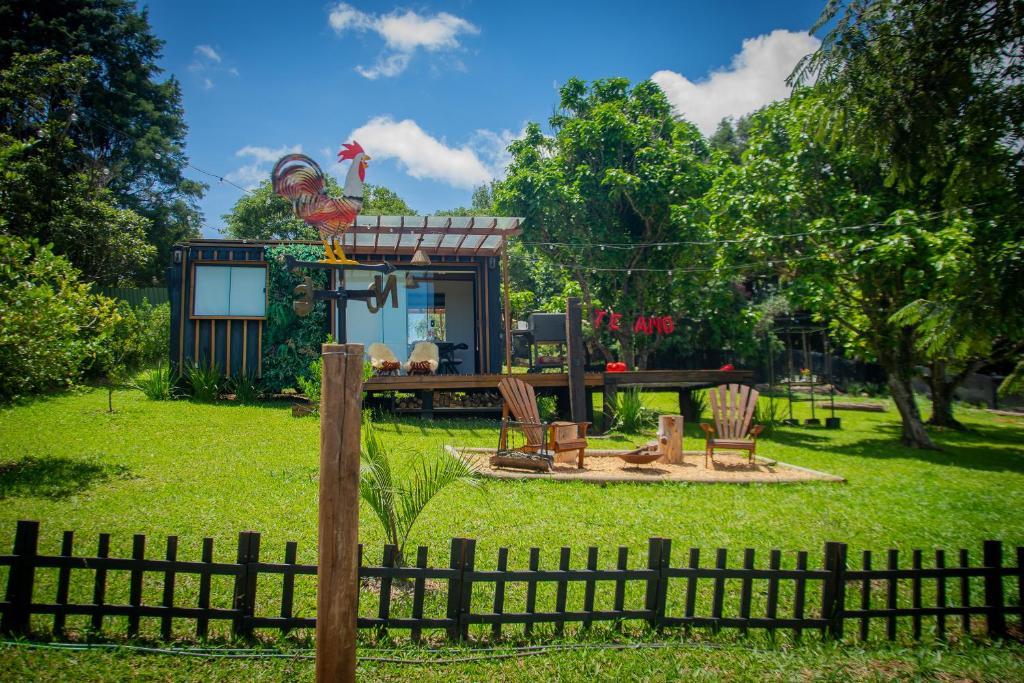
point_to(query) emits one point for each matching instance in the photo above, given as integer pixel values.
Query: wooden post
(576, 360)
(508, 308)
(21, 579)
(337, 572)
(670, 438)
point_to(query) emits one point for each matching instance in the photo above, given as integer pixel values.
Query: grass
(191, 469)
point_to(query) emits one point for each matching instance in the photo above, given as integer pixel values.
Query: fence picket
(940, 595)
(384, 603)
(419, 590)
(21, 579)
(99, 588)
(801, 592)
(531, 589)
(771, 609)
(995, 620)
(63, 582)
(745, 589)
(291, 550)
(499, 593)
(620, 584)
(135, 589)
(588, 591)
(168, 596)
(894, 560)
(719, 593)
(560, 590)
(202, 623)
(865, 596)
(915, 585)
(965, 592)
(691, 586)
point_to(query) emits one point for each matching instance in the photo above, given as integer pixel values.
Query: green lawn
(199, 470)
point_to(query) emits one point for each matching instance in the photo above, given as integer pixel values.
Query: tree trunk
(943, 389)
(942, 398)
(898, 366)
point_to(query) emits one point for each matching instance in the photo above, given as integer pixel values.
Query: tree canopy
(127, 134)
(618, 170)
(45, 196)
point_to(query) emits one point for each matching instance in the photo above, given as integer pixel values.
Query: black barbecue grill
(546, 329)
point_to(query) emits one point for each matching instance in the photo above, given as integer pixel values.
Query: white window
(229, 292)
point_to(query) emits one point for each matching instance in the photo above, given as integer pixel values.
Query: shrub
(204, 382)
(699, 400)
(158, 384)
(547, 406)
(52, 327)
(310, 385)
(631, 415)
(290, 342)
(245, 386)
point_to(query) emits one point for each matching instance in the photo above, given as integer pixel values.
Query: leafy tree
(263, 215)
(731, 137)
(42, 194)
(52, 329)
(863, 250)
(380, 200)
(128, 129)
(618, 169)
(931, 90)
(482, 204)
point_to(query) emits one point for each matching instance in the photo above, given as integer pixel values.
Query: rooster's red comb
(349, 151)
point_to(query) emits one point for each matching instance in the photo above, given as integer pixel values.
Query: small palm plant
(398, 500)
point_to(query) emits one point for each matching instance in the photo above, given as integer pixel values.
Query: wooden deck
(648, 378)
(557, 383)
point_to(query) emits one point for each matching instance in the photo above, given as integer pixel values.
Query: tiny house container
(448, 274)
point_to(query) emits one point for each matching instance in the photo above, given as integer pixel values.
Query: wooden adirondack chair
(561, 437)
(732, 408)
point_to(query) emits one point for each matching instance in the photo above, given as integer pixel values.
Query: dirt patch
(604, 466)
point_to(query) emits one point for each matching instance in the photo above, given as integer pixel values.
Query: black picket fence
(833, 584)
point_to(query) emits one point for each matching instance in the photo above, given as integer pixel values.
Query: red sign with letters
(644, 324)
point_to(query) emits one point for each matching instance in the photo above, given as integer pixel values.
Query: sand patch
(603, 466)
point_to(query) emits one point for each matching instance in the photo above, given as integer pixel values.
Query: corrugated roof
(456, 235)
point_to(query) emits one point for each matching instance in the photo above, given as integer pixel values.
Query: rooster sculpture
(299, 179)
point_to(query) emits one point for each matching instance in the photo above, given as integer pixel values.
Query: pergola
(442, 235)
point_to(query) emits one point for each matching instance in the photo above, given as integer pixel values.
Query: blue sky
(435, 91)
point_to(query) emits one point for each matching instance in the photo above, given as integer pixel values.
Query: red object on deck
(728, 367)
(615, 367)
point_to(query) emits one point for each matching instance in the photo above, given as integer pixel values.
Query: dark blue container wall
(496, 332)
(232, 345)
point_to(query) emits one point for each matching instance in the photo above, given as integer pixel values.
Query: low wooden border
(614, 478)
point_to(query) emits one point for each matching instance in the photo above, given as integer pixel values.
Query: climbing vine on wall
(290, 342)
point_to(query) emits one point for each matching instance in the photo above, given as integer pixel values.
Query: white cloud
(208, 52)
(207, 64)
(403, 34)
(251, 175)
(423, 156)
(392, 65)
(756, 76)
(266, 154)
